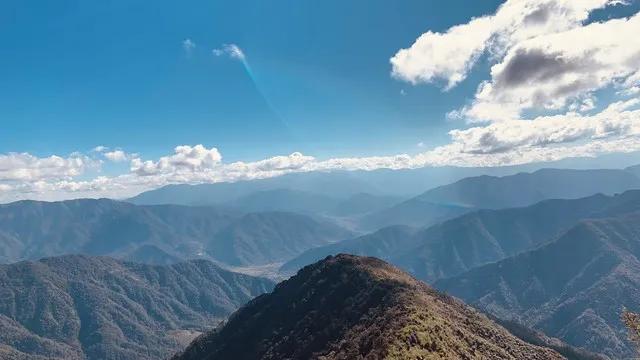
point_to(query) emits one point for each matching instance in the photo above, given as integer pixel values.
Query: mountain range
(263, 238)
(156, 234)
(477, 238)
(523, 189)
(370, 201)
(82, 307)
(348, 307)
(563, 267)
(548, 253)
(493, 192)
(574, 287)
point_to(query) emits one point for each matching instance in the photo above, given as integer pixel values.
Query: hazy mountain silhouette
(77, 307)
(340, 184)
(384, 244)
(413, 212)
(285, 200)
(155, 234)
(340, 193)
(334, 184)
(33, 229)
(262, 238)
(348, 307)
(490, 192)
(364, 203)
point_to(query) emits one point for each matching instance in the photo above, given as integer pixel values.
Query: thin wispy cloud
(188, 46)
(232, 51)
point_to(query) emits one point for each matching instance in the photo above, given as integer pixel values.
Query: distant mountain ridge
(493, 192)
(329, 193)
(474, 239)
(348, 307)
(77, 307)
(339, 184)
(523, 189)
(157, 234)
(263, 238)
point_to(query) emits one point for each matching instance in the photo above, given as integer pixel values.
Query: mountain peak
(348, 307)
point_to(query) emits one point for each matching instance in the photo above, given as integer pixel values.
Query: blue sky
(83, 73)
(319, 85)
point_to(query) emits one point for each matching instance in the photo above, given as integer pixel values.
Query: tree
(632, 322)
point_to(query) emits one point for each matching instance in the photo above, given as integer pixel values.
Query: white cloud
(100, 149)
(450, 55)
(188, 46)
(231, 50)
(27, 167)
(556, 70)
(186, 159)
(614, 122)
(545, 56)
(447, 56)
(116, 156)
(615, 129)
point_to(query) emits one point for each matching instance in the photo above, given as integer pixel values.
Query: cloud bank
(548, 138)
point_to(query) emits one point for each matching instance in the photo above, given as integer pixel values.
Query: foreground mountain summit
(348, 307)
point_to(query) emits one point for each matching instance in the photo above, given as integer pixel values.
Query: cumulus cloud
(450, 55)
(116, 156)
(185, 159)
(100, 149)
(614, 122)
(554, 71)
(447, 56)
(545, 55)
(231, 50)
(27, 167)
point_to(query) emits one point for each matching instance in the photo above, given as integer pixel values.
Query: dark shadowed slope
(262, 238)
(77, 307)
(573, 288)
(348, 307)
